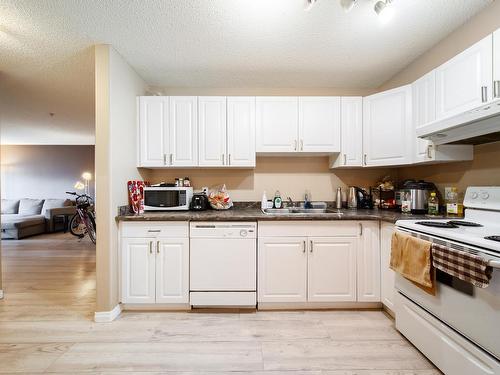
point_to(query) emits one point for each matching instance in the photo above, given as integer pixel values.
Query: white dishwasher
(223, 264)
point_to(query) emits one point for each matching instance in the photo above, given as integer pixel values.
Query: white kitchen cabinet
(241, 131)
(331, 275)
(212, 131)
(351, 138)
(496, 64)
(277, 124)
(387, 275)
(465, 81)
(138, 270)
(153, 131)
(424, 111)
(154, 260)
(387, 128)
(183, 131)
(172, 270)
(369, 262)
(319, 124)
(282, 269)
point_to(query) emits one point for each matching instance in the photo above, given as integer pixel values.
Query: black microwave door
(157, 198)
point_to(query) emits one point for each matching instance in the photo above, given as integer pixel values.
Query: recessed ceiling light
(347, 5)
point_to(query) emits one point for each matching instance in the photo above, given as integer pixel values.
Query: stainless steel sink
(297, 210)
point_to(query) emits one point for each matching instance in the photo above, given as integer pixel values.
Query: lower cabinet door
(332, 269)
(369, 262)
(387, 279)
(172, 270)
(282, 269)
(138, 270)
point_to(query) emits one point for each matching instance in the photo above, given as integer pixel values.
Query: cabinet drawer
(309, 228)
(170, 229)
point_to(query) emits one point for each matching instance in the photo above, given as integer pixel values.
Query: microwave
(167, 198)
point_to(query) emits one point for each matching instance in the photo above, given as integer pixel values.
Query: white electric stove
(459, 328)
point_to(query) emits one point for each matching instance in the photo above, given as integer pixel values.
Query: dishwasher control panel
(211, 229)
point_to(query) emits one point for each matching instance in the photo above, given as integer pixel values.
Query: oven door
(165, 199)
(471, 311)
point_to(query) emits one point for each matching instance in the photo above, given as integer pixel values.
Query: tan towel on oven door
(411, 257)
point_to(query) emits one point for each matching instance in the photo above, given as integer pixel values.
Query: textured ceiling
(46, 58)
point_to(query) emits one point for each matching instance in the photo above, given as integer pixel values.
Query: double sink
(300, 211)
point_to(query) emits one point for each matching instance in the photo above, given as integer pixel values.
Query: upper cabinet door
(387, 127)
(183, 124)
(351, 132)
(153, 131)
(424, 111)
(241, 131)
(172, 270)
(332, 269)
(277, 124)
(496, 64)
(319, 124)
(212, 130)
(465, 81)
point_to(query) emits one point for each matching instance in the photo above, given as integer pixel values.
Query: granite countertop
(253, 214)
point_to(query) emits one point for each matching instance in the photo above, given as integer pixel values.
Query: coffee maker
(359, 198)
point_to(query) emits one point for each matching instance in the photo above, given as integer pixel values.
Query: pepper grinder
(338, 202)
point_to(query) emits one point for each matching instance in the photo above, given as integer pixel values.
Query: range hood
(477, 126)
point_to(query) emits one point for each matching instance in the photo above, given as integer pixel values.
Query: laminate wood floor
(46, 327)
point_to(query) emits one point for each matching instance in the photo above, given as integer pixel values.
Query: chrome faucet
(290, 202)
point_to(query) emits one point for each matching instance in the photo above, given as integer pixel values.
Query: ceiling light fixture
(309, 4)
(383, 10)
(347, 5)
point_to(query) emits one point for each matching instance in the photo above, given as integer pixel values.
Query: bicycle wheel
(91, 227)
(77, 226)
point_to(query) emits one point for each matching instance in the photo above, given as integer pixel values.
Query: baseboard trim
(107, 316)
(319, 306)
(1, 294)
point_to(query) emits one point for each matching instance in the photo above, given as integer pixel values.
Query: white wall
(36, 171)
(117, 87)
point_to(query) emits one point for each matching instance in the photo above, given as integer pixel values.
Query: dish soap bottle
(433, 205)
(277, 202)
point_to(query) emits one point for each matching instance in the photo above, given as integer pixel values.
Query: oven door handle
(494, 264)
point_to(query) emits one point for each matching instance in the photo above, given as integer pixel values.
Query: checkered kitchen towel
(464, 265)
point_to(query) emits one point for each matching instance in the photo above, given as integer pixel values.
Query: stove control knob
(243, 233)
(474, 195)
(484, 195)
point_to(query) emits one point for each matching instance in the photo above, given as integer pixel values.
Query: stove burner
(464, 223)
(437, 224)
(493, 238)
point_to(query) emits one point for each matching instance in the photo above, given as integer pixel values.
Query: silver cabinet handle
(171, 158)
(484, 94)
(496, 89)
(229, 159)
(223, 160)
(345, 159)
(164, 159)
(364, 159)
(360, 229)
(151, 247)
(295, 145)
(312, 245)
(301, 145)
(158, 247)
(154, 230)
(429, 151)
(304, 246)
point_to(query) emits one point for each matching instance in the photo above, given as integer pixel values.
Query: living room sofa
(27, 217)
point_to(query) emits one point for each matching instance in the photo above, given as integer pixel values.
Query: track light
(347, 5)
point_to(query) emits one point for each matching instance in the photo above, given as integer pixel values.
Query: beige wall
(485, 169)
(290, 175)
(117, 87)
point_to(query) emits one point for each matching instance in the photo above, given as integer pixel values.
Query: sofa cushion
(10, 206)
(54, 203)
(16, 221)
(28, 206)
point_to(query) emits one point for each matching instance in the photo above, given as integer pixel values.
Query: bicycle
(83, 222)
